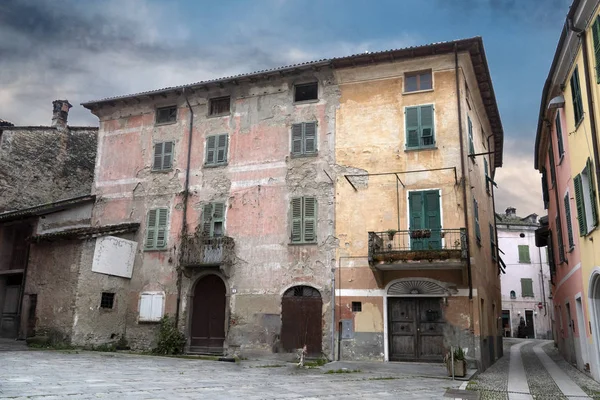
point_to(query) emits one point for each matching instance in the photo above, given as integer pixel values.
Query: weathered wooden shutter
(580, 205)
(590, 173)
(161, 230)
(427, 138)
(211, 150)
(559, 138)
(524, 254)
(167, 161)
(432, 208)
(415, 206)
(559, 239)
(552, 167)
(576, 94)
(412, 126)
(222, 149)
(545, 193)
(297, 219)
(476, 216)
(151, 229)
(297, 139)
(493, 241)
(218, 217)
(310, 219)
(310, 137)
(487, 174)
(596, 36)
(569, 223)
(471, 144)
(207, 216)
(526, 287)
(158, 156)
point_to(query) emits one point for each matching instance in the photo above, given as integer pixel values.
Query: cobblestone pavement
(86, 375)
(547, 375)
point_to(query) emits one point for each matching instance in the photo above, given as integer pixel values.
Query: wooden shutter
(158, 156)
(310, 219)
(151, 229)
(218, 216)
(412, 127)
(207, 215)
(471, 145)
(576, 94)
(545, 192)
(310, 137)
(211, 150)
(487, 175)
(559, 239)
(432, 209)
(157, 307)
(590, 173)
(493, 241)
(297, 220)
(297, 139)
(596, 36)
(526, 287)
(559, 138)
(415, 206)
(569, 223)
(580, 205)
(222, 148)
(161, 230)
(524, 254)
(145, 307)
(476, 216)
(426, 122)
(167, 155)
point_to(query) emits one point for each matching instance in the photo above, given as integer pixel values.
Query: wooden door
(208, 316)
(424, 208)
(302, 319)
(416, 329)
(530, 324)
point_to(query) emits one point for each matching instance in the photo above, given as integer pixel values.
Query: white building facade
(526, 297)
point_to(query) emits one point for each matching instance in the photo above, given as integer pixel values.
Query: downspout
(185, 206)
(542, 278)
(588, 89)
(462, 168)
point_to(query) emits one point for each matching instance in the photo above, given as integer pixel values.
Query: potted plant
(426, 233)
(391, 233)
(460, 364)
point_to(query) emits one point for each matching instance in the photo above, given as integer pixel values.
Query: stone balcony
(207, 252)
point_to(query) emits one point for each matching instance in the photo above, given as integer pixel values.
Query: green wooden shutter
(310, 137)
(569, 223)
(297, 220)
(222, 148)
(559, 138)
(590, 174)
(297, 139)
(167, 155)
(580, 205)
(158, 157)
(596, 36)
(524, 254)
(426, 122)
(576, 94)
(412, 127)
(526, 287)
(471, 144)
(493, 242)
(476, 216)
(207, 216)
(545, 193)
(161, 230)
(487, 174)
(151, 229)
(218, 219)
(559, 239)
(432, 219)
(415, 206)
(211, 150)
(310, 219)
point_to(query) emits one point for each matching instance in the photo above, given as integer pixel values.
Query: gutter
(185, 207)
(463, 178)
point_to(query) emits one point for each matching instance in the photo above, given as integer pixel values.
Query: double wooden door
(416, 329)
(208, 316)
(302, 319)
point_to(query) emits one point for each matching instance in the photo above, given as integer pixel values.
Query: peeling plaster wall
(43, 164)
(256, 185)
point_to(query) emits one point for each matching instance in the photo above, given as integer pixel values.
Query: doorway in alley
(530, 332)
(301, 319)
(10, 290)
(208, 316)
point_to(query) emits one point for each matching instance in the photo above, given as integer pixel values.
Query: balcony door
(425, 221)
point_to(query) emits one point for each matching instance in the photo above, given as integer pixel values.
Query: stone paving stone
(587, 384)
(541, 384)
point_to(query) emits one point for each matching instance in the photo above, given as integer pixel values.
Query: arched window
(513, 295)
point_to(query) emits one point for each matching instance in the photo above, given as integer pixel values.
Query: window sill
(410, 149)
(418, 91)
(148, 322)
(165, 123)
(218, 115)
(303, 244)
(299, 103)
(215, 165)
(315, 154)
(161, 171)
(153, 250)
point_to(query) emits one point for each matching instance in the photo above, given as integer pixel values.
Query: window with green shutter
(559, 137)
(487, 175)
(419, 127)
(526, 287)
(569, 223)
(493, 241)
(213, 220)
(545, 193)
(524, 254)
(580, 205)
(156, 229)
(559, 240)
(216, 149)
(471, 144)
(304, 220)
(596, 36)
(585, 199)
(576, 95)
(476, 217)
(304, 138)
(163, 156)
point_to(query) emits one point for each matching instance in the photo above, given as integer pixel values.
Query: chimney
(60, 112)
(511, 212)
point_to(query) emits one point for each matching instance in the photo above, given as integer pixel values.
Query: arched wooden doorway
(208, 316)
(301, 319)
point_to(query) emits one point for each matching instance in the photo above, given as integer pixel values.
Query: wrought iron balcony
(200, 251)
(422, 248)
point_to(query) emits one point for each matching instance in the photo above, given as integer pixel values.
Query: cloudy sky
(86, 50)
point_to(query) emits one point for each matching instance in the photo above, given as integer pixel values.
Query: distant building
(526, 289)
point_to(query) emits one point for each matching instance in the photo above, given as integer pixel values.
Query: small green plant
(319, 362)
(459, 354)
(105, 347)
(343, 371)
(170, 340)
(391, 233)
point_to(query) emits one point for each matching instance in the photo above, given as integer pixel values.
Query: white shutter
(157, 307)
(151, 306)
(145, 307)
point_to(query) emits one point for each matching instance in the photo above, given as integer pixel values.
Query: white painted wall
(114, 256)
(509, 238)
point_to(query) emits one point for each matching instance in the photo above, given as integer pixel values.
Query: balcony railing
(199, 251)
(415, 245)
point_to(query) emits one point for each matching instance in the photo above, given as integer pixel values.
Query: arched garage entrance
(301, 319)
(207, 332)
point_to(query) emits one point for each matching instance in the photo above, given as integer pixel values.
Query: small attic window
(305, 92)
(220, 106)
(165, 115)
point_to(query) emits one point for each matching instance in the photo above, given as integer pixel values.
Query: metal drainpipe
(462, 167)
(185, 202)
(333, 313)
(542, 278)
(588, 89)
